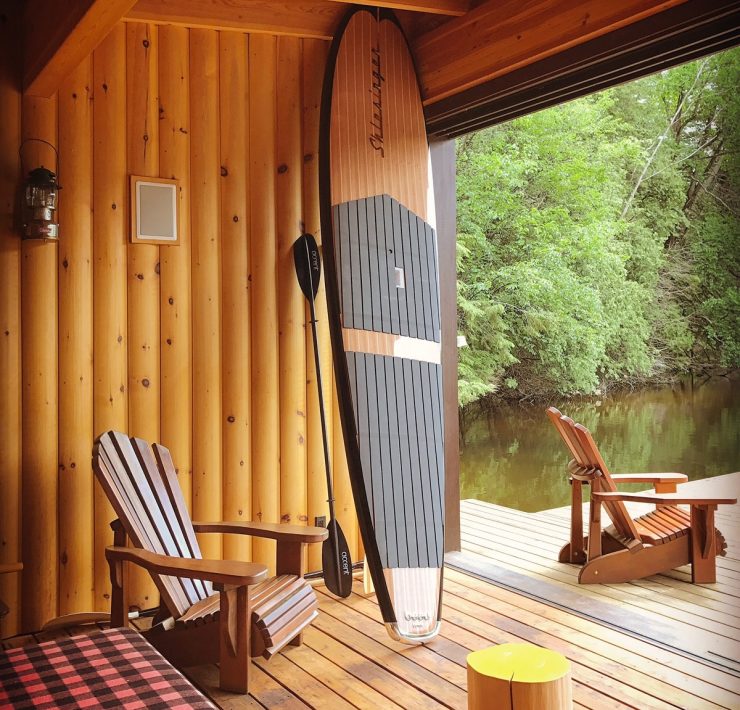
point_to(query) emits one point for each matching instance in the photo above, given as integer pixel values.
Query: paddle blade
(338, 581)
(307, 264)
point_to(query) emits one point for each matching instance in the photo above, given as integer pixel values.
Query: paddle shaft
(327, 465)
(322, 413)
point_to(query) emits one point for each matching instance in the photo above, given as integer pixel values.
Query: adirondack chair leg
(291, 559)
(703, 545)
(576, 551)
(594, 530)
(118, 605)
(626, 565)
(567, 554)
(234, 642)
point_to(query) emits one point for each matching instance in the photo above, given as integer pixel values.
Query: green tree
(597, 240)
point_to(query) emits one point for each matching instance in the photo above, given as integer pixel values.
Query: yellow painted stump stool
(518, 676)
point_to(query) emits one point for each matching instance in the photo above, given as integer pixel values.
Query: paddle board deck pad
(382, 283)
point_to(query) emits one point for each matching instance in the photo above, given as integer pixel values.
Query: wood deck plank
(662, 663)
(334, 676)
(545, 523)
(689, 599)
(498, 630)
(495, 530)
(466, 641)
(410, 663)
(629, 667)
(205, 678)
(301, 683)
(396, 692)
(553, 573)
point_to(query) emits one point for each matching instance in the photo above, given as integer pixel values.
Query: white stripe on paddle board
(376, 343)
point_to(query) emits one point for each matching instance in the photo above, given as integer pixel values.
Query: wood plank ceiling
(471, 55)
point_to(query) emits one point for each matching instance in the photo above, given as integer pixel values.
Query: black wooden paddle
(335, 557)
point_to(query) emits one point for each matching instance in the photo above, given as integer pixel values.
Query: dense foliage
(598, 240)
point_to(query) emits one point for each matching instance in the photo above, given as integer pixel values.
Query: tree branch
(661, 139)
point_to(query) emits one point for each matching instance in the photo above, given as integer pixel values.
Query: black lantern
(40, 192)
(40, 204)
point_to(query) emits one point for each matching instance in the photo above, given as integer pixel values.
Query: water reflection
(514, 457)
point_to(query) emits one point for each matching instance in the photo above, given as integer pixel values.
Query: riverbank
(513, 457)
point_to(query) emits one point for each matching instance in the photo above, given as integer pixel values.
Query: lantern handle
(39, 140)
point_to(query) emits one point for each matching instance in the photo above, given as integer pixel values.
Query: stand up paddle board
(377, 220)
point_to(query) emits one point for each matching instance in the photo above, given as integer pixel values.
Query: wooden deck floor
(348, 660)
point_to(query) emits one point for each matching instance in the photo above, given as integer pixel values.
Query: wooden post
(443, 168)
(314, 60)
(40, 378)
(110, 234)
(205, 170)
(235, 338)
(75, 343)
(142, 131)
(175, 307)
(264, 319)
(518, 676)
(291, 302)
(10, 317)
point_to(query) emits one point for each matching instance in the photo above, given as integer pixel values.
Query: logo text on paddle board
(376, 123)
(417, 619)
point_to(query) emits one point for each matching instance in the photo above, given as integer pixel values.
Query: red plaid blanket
(113, 669)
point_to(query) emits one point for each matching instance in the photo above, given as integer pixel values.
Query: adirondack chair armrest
(661, 482)
(273, 531)
(667, 498)
(224, 572)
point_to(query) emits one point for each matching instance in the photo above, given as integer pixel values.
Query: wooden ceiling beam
(500, 36)
(309, 18)
(59, 35)
(433, 7)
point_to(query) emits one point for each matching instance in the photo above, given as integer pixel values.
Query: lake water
(514, 457)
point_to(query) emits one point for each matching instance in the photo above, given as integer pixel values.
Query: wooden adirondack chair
(247, 615)
(664, 538)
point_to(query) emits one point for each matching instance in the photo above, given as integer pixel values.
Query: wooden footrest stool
(281, 607)
(518, 676)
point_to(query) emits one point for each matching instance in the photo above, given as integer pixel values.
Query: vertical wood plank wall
(202, 346)
(10, 315)
(110, 322)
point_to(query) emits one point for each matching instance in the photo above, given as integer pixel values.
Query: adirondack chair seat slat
(657, 541)
(655, 529)
(248, 615)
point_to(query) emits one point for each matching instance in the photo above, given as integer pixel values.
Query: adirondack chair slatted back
(581, 444)
(142, 487)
